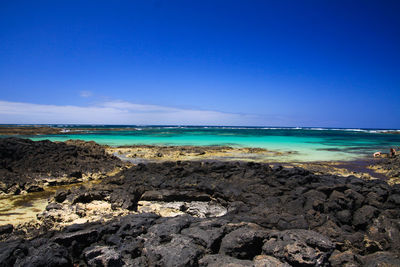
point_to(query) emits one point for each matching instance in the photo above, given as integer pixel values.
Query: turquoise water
(310, 144)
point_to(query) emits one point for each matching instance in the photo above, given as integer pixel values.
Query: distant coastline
(72, 128)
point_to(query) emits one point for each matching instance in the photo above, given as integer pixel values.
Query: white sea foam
(144, 127)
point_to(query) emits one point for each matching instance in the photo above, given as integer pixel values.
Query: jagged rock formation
(390, 167)
(275, 217)
(24, 163)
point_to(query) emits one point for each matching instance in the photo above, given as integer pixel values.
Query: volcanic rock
(274, 217)
(23, 160)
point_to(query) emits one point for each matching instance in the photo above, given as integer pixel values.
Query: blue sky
(270, 63)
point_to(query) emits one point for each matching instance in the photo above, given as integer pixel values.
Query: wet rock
(87, 197)
(34, 188)
(76, 174)
(3, 187)
(14, 190)
(54, 206)
(60, 196)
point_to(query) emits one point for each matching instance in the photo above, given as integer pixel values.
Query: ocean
(308, 144)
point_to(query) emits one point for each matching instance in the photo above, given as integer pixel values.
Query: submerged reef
(152, 153)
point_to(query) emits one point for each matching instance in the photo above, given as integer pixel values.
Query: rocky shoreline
(204, 213)
(28, 166)
(390, 168)
(152, 153)
(366, 168)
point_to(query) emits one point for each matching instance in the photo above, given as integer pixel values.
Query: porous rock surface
(275, 217)
(389, 166)
(25, 163)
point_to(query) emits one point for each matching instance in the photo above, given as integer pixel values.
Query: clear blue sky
(283, 63)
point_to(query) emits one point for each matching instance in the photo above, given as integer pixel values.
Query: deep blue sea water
(311, 144)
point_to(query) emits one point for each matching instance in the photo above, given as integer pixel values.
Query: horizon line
(60, 125)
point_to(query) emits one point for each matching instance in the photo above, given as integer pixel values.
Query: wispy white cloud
(117, 112)
(85, 94)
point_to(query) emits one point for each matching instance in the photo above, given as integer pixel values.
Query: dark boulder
(6, 229)
(135, 225)
(23, 161)
(179, 250)
(54, 206)
(174, 195)
(60, 196)
(207, 233)
(83, 196)
(346, 258)
(268, 261)
(11, 251)
(77, 240)
(299, 247)
(243, 243)
(381, 259)
(223, 260)
(34, 188)
(348, 220)
(51, 254)
(344, 216)
(363, 216)
(164, 228)
(103, 256)
(76, 174)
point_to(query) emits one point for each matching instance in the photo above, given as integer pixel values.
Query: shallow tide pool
(309, 144)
